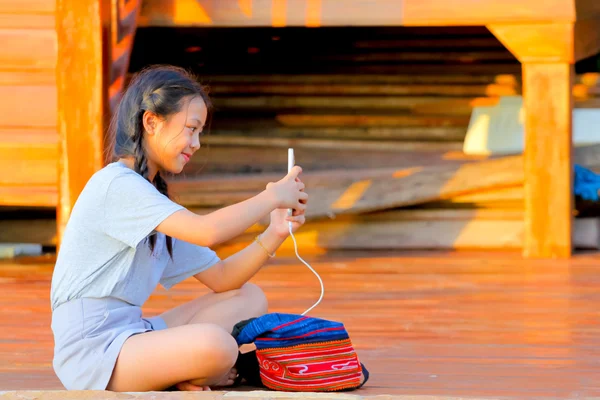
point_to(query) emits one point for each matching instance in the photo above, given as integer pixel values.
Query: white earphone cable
(309, 267)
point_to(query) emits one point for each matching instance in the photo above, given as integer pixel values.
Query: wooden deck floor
(453, 324)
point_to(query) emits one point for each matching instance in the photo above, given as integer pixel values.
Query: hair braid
(141, 162)
(161, 186)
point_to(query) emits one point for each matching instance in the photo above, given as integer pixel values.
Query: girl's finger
(298, 212)
(299, 219)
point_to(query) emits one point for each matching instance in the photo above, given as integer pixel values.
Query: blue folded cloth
(586, 183)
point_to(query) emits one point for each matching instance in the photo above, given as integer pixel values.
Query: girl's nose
(195, 143)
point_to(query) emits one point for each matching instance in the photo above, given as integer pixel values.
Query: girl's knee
(255, 299)
(214, 345)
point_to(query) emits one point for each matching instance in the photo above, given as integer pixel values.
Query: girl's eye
(193, 128)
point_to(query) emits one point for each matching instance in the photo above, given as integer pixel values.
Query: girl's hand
(288, 192)
(280, 219)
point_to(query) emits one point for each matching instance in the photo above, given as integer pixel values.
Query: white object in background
(11, 250)
(499, 129)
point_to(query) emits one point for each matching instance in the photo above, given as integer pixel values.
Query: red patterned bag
(299, 353)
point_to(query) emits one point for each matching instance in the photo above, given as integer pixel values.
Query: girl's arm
(232, 272)
(237, 269)
(229, 222)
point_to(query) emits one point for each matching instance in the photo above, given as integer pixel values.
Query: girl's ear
(151, 122)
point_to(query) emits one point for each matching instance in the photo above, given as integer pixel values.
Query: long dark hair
(159, 89)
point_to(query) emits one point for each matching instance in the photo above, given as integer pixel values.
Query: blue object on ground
(586, 183)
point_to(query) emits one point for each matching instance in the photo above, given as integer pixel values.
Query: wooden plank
(17, 101)
(416, 57)
(424, 229)
(283, 103)
(370, 120)
(477, 12)
(30, 155)
(460, 78)
(548, 159)
(245, 160)
(365, 89)
(256, 182)
(81, 99)
(27, 21)
(28, 6)
(500, 68)
(427, 42)
(47, 137)
(330, 144)
(506, 194)
(399, 133)
(424, 185)
(439, 233)
(29, 196)
(204, 13)
(354, 13)
(42, 77)
(446, 181)
(28, 49)
(24, 171)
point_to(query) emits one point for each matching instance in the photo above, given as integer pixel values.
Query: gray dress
(105, 272)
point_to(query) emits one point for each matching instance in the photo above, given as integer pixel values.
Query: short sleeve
(188, 260)
(133, 208)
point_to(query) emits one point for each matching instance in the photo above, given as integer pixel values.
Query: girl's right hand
(288, 191)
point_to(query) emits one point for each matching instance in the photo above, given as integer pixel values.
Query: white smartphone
(291, 163)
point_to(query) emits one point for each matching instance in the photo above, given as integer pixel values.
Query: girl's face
(171, 142)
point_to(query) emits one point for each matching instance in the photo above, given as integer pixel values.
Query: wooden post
(81, 99)
(547, 52)
(548, 103)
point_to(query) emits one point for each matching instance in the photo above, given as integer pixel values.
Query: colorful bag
(298, 353)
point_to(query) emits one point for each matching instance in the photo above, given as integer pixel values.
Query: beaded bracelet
(257, 239)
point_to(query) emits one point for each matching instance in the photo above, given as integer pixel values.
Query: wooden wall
(28, 136)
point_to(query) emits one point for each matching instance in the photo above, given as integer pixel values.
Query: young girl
(125, 236)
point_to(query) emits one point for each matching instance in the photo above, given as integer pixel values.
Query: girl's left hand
(280, 219)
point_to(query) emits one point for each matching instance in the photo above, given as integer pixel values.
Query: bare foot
(190, 387)
(228, 379)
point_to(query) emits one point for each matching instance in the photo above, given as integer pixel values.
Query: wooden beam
(278, 13)
(481, 12)
(550, 42)
(546, 42)
(81, 95)
(354, 12)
